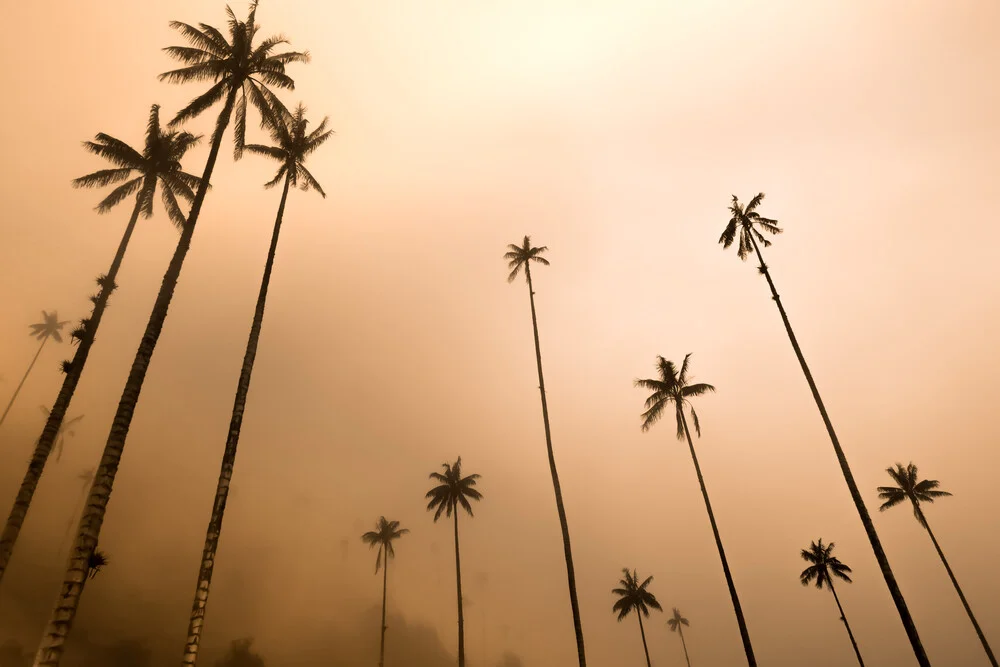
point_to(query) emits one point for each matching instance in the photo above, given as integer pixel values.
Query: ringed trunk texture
(385, 587)
(461, 617)
(21, 383)
(57, 630)
(643, 633)
(680, 631)
(859, 503)
(847, 625)
(214, 531)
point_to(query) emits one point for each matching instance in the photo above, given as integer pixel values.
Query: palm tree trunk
(560, 508)
(847, 625)
(680, 631)
(385, 588)
(883, 562)
(744, 633)
(229, 455)
(643, 632)
(958, 589)
(59, 625)
(461, 618)
(21, 384)
(43, 448)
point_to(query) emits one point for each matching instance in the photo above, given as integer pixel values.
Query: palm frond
(208, 39)
(118, 194)
(201, 103)
(310, 181)
(174, 211)
(102, 178)
(115, 151)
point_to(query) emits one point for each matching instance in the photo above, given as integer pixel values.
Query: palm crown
(49, 326)
(671, 387)
(909, 487)
(677, 621)
(824, 565)
(453, 490)
(633, 596)
(159, 162)
(292, 146)
(520, 256)
(747, 222)
(384, 534)
(235, 66)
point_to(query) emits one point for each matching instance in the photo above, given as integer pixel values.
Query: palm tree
(522, 256)
(240, 71)
(49, 327)
(293, 145)
(824, 567)
(677, 624)
(912, 488)
(747, 223)
(633, 596)
(674, 388)
(452, 492)
(383, 536)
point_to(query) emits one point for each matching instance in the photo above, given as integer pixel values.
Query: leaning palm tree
(240, 71)
(746, 223)
(519, 256)
(452, 492)
(677, 624)
(673, 387)
(49, 327)
(292, 145)
(385, 533)
(633, 596)
(910, 487)
(824, 566)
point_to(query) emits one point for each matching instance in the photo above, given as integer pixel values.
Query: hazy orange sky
(614, 132)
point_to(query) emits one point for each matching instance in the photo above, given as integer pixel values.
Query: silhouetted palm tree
(49, 327)
(912, 488)
(65, 429)
(383, 536)
(824, 567)
(633, 596)
(673, 388)
(293, 145)
(519, 256)
(239, 70)
(454, 491)
(677, 624)
(746, 223)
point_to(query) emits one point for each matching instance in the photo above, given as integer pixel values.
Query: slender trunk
(43, 448)
(21, 384)
(73, 519)
(643, 633)
(564, 525)
(866, 520)
(680, 631)
(461, 618)
(847, 625)
(214, 531)
(744, 633)
(958, 589)
(53, 640)
(385, 588)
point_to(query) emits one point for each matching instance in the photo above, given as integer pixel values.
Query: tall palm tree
(910, 487)
(65, 429)
(293, 145)
(677, 624)
(385, 533)
(673, 387)
(823, 568)
(49, 327)
(633, 596)
(519, 256)
(240, 71)
(452, 492)
(746, 223)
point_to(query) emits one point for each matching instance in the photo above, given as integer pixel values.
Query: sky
(614, 132)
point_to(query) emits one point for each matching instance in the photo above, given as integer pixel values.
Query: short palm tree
(385, 533)
(747, 225)
(823, 568)
(239, 70)
(673, 388)
(49, 327)
(519, 256)
(293, 145)
(677, 624)
(633, 596)
(454, 491)
(909, 487)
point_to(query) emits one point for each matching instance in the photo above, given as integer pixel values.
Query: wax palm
(238, 69)
(633, 596)
(518, 257)
(673, 388)
(49, 327)
(677, 624)
(747, 224)
(293, 145)
(385, 533)
(823, 569)
(909, 487)
(452, 492)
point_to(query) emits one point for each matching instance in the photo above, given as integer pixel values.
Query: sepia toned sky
(613, 132)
